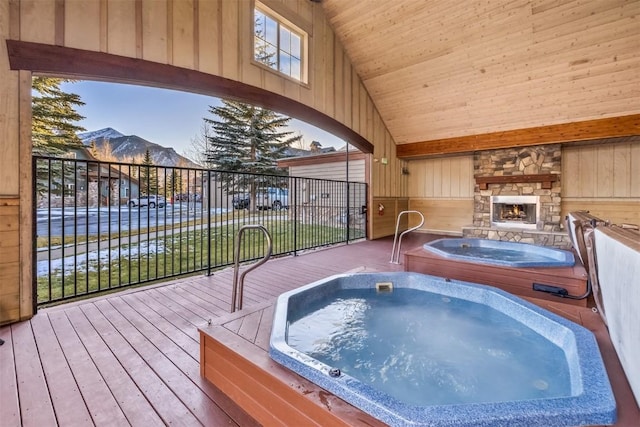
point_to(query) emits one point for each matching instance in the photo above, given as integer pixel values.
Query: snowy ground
(90, 261)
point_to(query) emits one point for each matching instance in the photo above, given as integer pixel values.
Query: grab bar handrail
(238, 285)
(395, 257)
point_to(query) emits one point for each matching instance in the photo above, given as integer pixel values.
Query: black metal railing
(101, 226)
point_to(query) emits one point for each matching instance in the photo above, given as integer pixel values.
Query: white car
(272, 198)
(151, 201)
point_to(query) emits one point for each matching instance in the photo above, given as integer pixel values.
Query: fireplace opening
(515, 211)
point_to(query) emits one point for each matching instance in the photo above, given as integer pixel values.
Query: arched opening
(89, 65)
(78, 64)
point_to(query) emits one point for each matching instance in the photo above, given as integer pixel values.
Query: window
(279, 44)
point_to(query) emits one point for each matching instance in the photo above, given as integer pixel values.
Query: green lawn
(179, 254)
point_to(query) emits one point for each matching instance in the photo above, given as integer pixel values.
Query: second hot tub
(521, 268)
(508, 254)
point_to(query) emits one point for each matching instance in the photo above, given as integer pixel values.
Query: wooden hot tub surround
(518, 281)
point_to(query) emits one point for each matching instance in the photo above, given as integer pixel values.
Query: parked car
(184, 197)
(152, 201)
(272, 198)
(241, 201)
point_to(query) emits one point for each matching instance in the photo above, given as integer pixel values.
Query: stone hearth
(523, 171)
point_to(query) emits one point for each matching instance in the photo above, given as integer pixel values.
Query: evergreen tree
(148, 175)
(248, 139)
(174, 183)
(54, 117)
(53, 132)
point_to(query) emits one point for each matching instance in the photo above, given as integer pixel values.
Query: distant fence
(101, 226)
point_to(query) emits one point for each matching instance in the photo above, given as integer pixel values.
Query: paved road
(92, 221)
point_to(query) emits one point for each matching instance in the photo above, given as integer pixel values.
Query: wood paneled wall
(603, 179)
(335, 170)
(441, 177)
(442, 189)
(10, 295)
(213, 37)
(383, 223)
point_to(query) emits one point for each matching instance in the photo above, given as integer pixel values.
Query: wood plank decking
(132, 358)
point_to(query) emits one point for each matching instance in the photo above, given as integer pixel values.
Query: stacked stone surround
(534, 160)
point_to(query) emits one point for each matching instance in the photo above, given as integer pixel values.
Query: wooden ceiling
(444, 69)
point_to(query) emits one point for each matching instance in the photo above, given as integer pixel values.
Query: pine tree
(148, 175)
(54, 129)
(174, 183)
(53, 132)
(247, 139)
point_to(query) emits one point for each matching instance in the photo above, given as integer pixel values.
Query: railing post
(348, 210)
(34, 246)
(208, 222)
(295, 216)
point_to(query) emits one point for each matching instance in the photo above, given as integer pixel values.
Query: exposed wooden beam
(568, 132)
(90, 65)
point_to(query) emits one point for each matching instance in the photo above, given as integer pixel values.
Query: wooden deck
(132, 358)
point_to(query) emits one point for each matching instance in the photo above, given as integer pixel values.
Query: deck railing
(101, 226)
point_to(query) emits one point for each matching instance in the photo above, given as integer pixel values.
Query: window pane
(279, 45)
(285, 40)
(259, 28)
(260, 50)
(271, 31)
(270, 56)
(295, 45)
(285, 63)
(295, 69)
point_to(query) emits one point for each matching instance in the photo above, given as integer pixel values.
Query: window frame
(285, 23)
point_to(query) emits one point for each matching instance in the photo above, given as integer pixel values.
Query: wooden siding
(334, 170)
(450, 70)
(9, 118)
(443, 215)
(383, 223)
(612, 210)
(9, 259)
(204, 36)
(603, 179)
(441, 178)
(442, 189)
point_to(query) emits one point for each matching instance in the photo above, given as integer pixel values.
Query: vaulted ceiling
(439, 69)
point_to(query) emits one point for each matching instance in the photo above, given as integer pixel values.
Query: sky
(166, 117)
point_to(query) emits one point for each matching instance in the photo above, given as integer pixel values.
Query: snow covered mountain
(128, 148)
(106, 133)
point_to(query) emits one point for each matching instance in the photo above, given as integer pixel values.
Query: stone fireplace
(517, 196)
